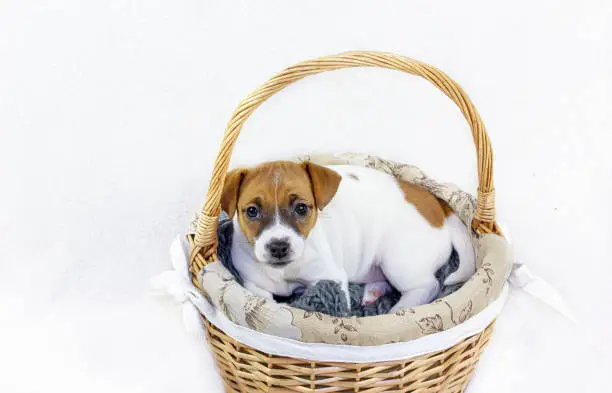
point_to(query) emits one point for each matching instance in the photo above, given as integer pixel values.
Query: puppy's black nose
(278, 248)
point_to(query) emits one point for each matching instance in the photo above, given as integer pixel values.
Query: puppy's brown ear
(324, 183)
(231, 190)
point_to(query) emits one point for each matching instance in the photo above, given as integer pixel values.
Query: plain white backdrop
(111, 114)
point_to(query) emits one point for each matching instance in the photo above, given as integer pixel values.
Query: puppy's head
(277, 205)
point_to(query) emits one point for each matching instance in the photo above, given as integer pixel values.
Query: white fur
(367, 232)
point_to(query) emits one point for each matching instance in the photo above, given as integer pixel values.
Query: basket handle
(205, 241)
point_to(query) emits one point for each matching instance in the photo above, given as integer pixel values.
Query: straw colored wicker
(245, 369)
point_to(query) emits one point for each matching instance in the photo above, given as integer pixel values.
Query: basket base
(246, 370)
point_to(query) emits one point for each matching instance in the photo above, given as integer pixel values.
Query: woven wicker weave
(245, 369)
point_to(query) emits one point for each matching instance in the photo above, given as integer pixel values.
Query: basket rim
(324, 352)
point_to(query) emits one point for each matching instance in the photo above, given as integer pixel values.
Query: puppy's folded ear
(231, 190)
(324, 183)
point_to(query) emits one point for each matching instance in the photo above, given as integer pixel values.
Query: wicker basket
(245, 369)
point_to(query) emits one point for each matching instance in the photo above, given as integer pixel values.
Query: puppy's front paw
(257, 291)
(347, 294)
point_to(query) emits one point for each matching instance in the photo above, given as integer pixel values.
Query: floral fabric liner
(493, 262)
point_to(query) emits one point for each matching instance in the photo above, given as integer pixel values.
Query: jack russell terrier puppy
(297, 224)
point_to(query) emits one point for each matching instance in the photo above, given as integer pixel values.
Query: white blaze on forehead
(276, 182)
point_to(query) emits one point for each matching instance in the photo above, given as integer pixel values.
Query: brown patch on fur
(447, 209)
(280, 182)
(434, 210)
(231, 189)
(324, 183)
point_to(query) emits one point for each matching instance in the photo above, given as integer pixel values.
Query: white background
(111, 113)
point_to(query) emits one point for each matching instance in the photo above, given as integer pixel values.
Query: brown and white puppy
(296, 224)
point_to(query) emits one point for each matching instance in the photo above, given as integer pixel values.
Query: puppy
(296, 224)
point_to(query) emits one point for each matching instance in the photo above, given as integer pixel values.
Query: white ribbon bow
(521, 278)
(177, 283)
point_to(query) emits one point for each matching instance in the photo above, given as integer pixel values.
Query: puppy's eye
(301, 209)
(252, 212)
